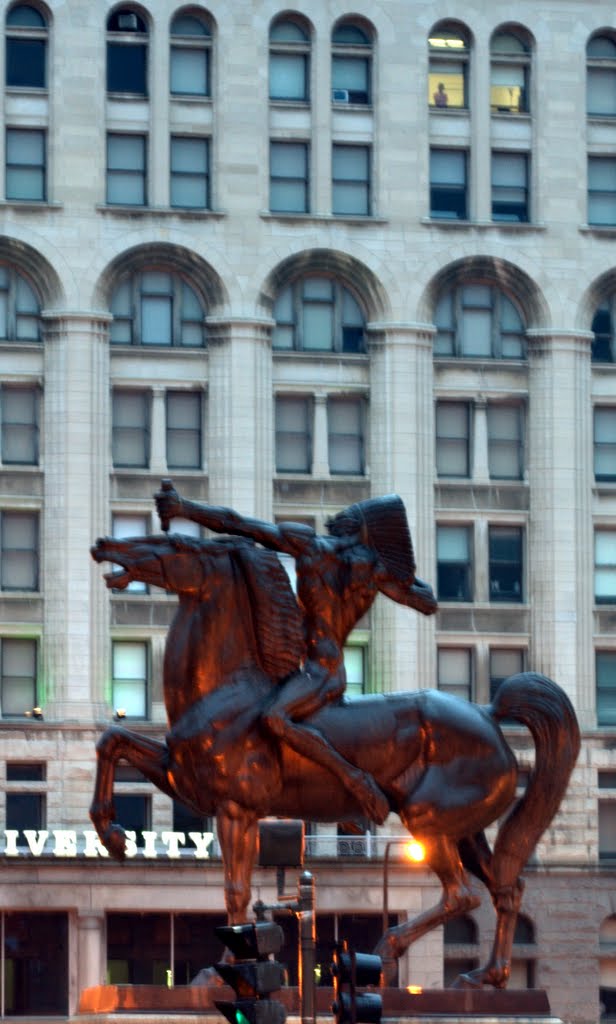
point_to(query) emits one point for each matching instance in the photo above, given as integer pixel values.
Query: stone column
(241, 423)
(91, 955)
(560, 581)
(76, 462)
(402, 461)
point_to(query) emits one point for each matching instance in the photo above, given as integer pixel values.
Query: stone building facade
(293, 257)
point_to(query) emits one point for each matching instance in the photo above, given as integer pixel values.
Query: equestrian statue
(259, 723)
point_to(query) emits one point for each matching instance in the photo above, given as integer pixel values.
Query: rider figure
(338, 576)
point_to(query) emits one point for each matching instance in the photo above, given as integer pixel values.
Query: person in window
(368, 549)
(441, 99)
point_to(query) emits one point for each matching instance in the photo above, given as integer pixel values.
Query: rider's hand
(169, 506)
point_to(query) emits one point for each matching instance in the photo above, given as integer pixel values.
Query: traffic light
(351, 971)
(253, 975)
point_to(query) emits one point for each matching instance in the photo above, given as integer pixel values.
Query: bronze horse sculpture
(443, 763)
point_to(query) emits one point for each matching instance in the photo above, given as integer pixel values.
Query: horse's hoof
(114, 840)
(466, 981)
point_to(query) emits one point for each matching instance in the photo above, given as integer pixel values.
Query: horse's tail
(542, 706)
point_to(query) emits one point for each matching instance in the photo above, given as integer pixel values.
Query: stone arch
(36, 268)
(356, 276)
(600, 291)
(492, 270)
(164, 256)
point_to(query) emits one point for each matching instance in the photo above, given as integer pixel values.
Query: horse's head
(160, 561)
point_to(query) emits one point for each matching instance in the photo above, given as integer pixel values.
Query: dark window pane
(25, 772)
(126, 68)
(133, 812)
(25, 63)
(25, 810)
(36, 962)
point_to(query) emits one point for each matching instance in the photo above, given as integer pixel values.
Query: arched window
(26, 48)
(191, 42)
(603, 330)
(127, 50)
(19, 307)
(156, 308)
(289, 61)
(601, 76)
(351, 63)
(477, 320)
(449, 48)
(510, 72)
(318, 314)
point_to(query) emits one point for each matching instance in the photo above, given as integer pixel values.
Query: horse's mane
(276, 615)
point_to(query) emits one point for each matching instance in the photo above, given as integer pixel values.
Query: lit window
(345, 434)
(25, 164)
(601, 191)
(605, 673)
(184, 417)
(19, 412)
(355, 668)
(478, 320)
(318, 314)
(289, 61)
(125, 526)
(130, 678)
(455, 671)
(509, 73)
(605, 566)
(453, 544)
(289, 177)
(452, 439)
(351, 64)
(26, 48)
(190, 173)
(505, 544)
(448, 186)
(504, 663)
(19, 670)
(601, 76)
(131, 428)
(190, 56)
(510, 187)
(126, 170)
(605, 442)
(351, 180)
(505, 442)
(156, 309)
(448, 45)
(127, 48)
(293, 434)
(19, 552)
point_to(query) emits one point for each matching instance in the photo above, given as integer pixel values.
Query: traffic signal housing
(253, 976)
(352, 971)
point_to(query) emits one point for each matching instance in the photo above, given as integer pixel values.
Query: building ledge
(323, 218)
(159, 211)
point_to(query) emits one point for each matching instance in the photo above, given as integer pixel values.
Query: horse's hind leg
(443, 857)
(150, 756)
(237, 835)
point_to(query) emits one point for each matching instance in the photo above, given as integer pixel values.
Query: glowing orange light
(414, 990)
(415, 850)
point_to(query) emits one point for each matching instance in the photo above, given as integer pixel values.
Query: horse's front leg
(237, 835)
(150, 756)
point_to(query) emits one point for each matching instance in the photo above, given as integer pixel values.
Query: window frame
(605, 687)
(15, 36)
(463, 566)
(499, 565)
(604, 449)
(347, 336)
(599, 67)
(514, 61)
(299, 184)
(336, 438)
(202, 175)
(31, 699)
(448, 56)
(455, 330)
(136, 173)
(145, 680)
(465, 688)
(514, 444)
(133, 398)
(25, 426)
(31, 555)
(13, 167)
(358, 52)
(181, 294)
(360, 185)
(444, 442)
(182, 42)
(125, 39)
(196, 432)
(603, 568)
(296, 53)
(304, 438)
(449, 198)
(597, 195)
(515, 208)
(494, 679)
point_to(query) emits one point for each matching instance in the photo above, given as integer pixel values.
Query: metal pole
(307, 947)
(388, 845)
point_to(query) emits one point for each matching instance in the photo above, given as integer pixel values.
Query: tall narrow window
(26, 48)
(320, 315)
(509, 72)
(19, 425)
(505, 442)
(131, 428)
(605, 673)
(126, 170)
(510, 187)
(605, 442)
(448, 188)
(293, 434)
(124, 526)
(19, 551)
(453, 546)
(25, 164)
(191, 41)
(158, 309)
(127, 48)
(452, 439)
(184, 417)
(455, 671)
(25, 804)
(351, 64)
(289, 61)
(504, 662)
(130, 678)
(289, 177)
(505, 543)
(601, 76)
(190, 173)
(601, 190)
(18, 663)
(605, 566)
(351, 180)
(345, 423)
(449, 49)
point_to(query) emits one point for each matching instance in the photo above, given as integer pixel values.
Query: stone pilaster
(91, 952)
(241, 429)
(77, 455)
(560, 475)
(402, 460)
